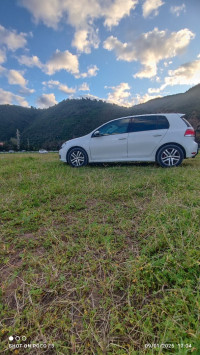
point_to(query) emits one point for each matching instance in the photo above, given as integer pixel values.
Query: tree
(13, 141)
(18, 139)
(28, 144)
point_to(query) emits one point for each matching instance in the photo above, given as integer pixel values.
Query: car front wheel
(77, 157)
(169, 156)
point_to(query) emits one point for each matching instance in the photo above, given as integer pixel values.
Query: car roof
(153, 114)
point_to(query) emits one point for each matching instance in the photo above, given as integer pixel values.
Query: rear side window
(148, 123)
(162, 122)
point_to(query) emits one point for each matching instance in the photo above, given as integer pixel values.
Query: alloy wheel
(170, 157)
(77, 158)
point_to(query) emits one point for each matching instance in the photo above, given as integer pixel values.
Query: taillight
(189, 132)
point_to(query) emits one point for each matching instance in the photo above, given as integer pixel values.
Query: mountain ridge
(48, 128)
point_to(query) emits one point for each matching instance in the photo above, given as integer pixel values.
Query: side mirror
(96, 134)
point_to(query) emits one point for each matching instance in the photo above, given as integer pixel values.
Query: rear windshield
(186, 122)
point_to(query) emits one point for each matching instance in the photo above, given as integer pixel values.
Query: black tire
(170, 156)
(77, 157)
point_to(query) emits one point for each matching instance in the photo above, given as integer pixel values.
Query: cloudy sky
(121, 51)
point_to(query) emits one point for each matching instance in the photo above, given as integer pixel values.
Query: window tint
(148, 123)
(143, 123)
(162, 122)
(115, 127)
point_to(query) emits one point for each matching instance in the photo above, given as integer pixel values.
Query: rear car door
(145, 134)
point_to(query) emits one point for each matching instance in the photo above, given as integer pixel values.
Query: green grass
(99, 260)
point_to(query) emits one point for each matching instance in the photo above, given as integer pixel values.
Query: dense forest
(48, 128)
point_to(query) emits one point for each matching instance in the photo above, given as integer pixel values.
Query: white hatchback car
(165, 138)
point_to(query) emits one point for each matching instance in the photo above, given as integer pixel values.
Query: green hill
(187, 103)
(48, 128)
(68, 119)
(13, 117)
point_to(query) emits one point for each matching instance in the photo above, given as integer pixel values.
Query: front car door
(145, 134)
(111, 143)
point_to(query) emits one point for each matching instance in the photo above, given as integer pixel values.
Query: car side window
(148, 123)
(162, 122)
(115, 127)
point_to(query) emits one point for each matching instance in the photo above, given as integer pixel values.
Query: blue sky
(121, 51)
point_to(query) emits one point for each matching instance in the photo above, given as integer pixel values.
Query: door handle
(121, 139)
(157, 135)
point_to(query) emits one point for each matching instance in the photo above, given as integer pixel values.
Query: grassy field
(99, 260)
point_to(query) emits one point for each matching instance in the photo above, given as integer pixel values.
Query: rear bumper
(192, 149)
(196, 153)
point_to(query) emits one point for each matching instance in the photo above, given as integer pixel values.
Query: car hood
(77, 141)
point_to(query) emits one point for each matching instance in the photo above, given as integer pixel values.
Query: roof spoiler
(181, 114)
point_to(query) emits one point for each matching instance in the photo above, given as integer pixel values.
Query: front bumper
(62, 155)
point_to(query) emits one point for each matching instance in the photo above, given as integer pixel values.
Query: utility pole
(18, 139)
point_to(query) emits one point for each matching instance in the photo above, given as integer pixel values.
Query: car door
(145, 134)
(111, 142)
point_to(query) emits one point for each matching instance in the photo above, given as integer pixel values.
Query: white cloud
(61, 87)
(15, 77)
(119, 94)
(122, 96)
(66, 89)
(80, 15)
(91, 97)
(7, 97)
(140, 99)
(166, 64)
(59, 61)
(26, 91)
(150, 48)
(85, 39)
(51, 83)
(2, 56)
(157, 79)
(154, 90)
(91, 71)
(46, 100)
(30, 61)
(84, 87)
(11, 39)
(49, 12)
(117, 10)
(62, 60)
(151, 6)
(185, 74)
(176, 10)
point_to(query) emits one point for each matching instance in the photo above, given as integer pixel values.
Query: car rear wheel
(77, 157)
(170, 156)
